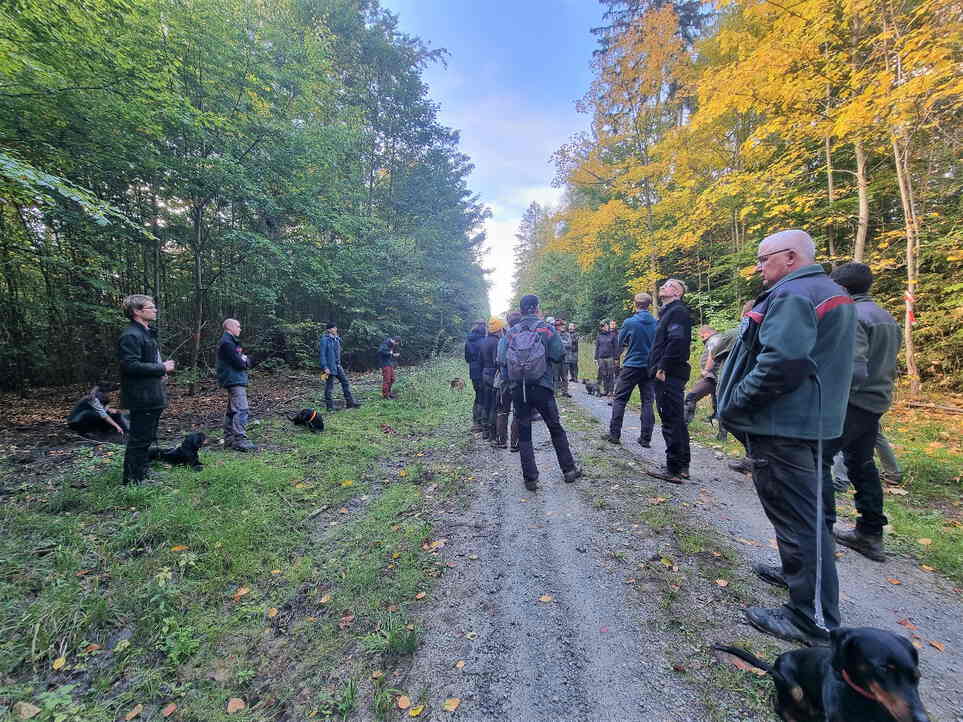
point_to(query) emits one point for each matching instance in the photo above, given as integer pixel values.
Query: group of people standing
(806, 375)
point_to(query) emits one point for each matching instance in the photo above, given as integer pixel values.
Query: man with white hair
(232, 366)
(783, 393)
(669, 365)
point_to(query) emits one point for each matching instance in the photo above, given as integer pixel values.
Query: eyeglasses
(761, 260)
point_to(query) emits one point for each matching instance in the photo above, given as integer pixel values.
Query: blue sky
(514, 73)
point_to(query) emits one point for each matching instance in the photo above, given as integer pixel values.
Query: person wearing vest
(782, 392)
(878, 339)
(330, 361)
(142, 375)
(669, 364)
(637, 332)
(539, 395)
(232, 366)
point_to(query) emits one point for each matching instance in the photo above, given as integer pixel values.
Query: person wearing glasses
(142, 375)
(784, 391)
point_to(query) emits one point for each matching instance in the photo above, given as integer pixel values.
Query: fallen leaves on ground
(404, 702)
(896, 491)
(59, 663)
(325, 599)
(908, 624)
(416, 711)
(25, 710)
(134, 712)
(546, 598)
(235, 704)
(169, 710)
(925, 542)
(937, 645)
(420, 595)
(451, 704)
(272, 612)
(460, 664)
(927, 568)
(240, 593)
(893, 580)
(346, 621)
(179, 548)
(722, 582)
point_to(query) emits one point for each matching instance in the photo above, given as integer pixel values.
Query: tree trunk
(830, 189)
(862, 189)
(198, 304)
(901, 156)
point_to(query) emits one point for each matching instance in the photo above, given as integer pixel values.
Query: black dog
(185, 454)
(310, 418)
(865, 674)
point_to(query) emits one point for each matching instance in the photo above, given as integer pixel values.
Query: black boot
(869, 545)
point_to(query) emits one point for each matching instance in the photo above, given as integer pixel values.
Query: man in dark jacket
(474, 361)
(388, 361)
(489, 356)
(571, 357)
(539, 395)
(606, 349)
(637, 332)
(878, 339)
(783, 390)
(142, 376)
(232, 366)
(561, 372)
(669, 364)
(330, 360)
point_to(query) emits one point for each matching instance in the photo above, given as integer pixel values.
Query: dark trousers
(857, 444)
(341, 376)
(572, 370)
(542, 400)
(491, 406)
(785, 474)
(629, 378)
(668, 399)
(702, 388)
(478, 408)
(142, 433)
(606, 375)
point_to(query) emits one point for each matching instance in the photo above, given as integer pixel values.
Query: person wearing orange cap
(489, 355)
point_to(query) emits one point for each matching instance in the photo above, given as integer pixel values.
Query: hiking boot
(513, 449)
(611, 439)
(689, 413)
(572, 474)
(486, 434)
(780, 623)
(475, 428)
(684, 472)
(894, 478)
(770, 574)
(531, 484)
(244, 445)
(743, 465)
(498, 444)
(666, 474)
(643, 443)
(869, 545)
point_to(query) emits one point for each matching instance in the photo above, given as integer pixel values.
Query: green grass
(259, 577)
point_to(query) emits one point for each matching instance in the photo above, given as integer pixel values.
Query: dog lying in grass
(591, 388)
(310, 418)
(865, 675)
(185, 454)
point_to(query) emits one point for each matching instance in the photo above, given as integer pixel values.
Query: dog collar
(313, 414)
(856, 687)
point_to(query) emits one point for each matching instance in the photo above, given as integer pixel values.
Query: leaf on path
(657, 500)
(937, 645)
(896, 491)
(169, 710)
(471, 635)
(420, 595)
(377, 674)
(893, 580)
(240, 593)
(272, 612)
(404, 702)
(460, 664)
(717, 554)
(925, 542)
(59, 663)
(927, 568)
(179, 548)
(92, 648)
(546, 598)
(416, 711)
(750, 542)
(740, 664)
(347, 482)
(451, 704)
(325, 599)
(908, 624)
(235, 704)
(25, 710)
(343, 510)
(134, 712)
(722, 582)
(666, 562)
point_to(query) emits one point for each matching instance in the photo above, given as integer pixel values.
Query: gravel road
(556, 605)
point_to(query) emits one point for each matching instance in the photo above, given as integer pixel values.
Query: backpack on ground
(525, 356)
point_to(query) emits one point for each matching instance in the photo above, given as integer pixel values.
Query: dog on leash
(185, 454)
(456, 385)
(310, 418)
(591, 388)
(866, 674)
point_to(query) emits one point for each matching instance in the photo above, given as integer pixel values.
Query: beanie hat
(528, 303)
(495, 324)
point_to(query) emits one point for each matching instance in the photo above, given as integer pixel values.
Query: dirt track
(631, 602)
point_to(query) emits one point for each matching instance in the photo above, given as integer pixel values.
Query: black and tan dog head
(881, 666)
(194, 441)
(310, 418)
(457, 385)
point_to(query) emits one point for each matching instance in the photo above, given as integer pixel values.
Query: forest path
(629, 569)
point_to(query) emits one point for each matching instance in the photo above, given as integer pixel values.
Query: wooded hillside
(280, 162)
(714, 126)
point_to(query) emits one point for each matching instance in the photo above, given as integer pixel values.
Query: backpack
(525, 356)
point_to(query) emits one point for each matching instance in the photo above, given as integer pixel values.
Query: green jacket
(878, 338)
(800, 330)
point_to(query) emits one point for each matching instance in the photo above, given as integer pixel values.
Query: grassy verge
(283, 579)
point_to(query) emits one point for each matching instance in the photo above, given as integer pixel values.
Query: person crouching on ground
(142, 375)
(531, 392)
(232, 366)
(330, 360)
(93, 415)
(388, 354)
